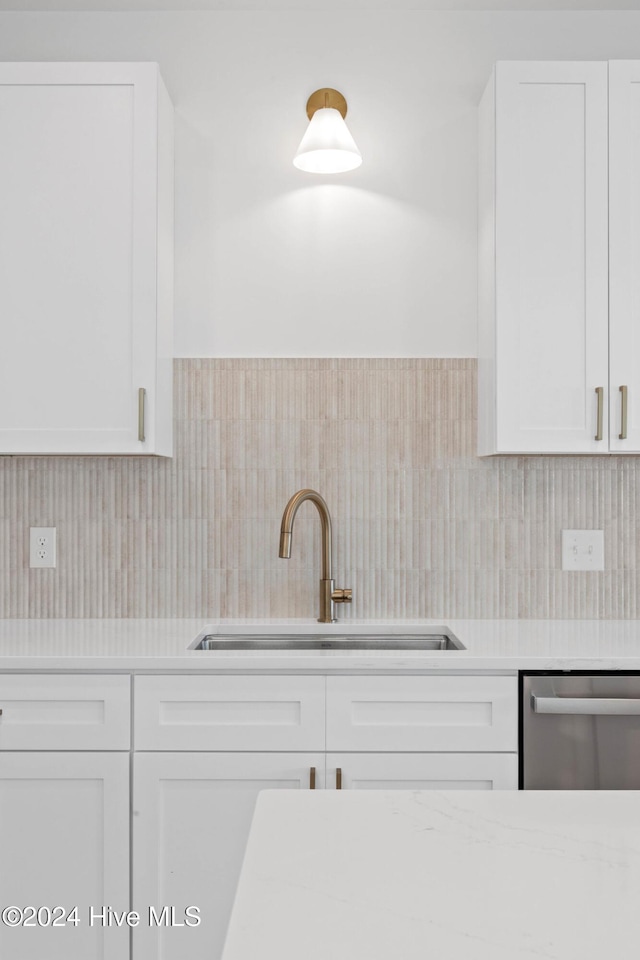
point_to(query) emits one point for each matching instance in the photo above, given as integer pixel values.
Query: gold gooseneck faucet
(329, 596)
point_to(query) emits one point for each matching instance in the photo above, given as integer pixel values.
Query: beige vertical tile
(422, 527)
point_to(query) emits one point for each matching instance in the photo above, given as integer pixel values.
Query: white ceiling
(319, 5)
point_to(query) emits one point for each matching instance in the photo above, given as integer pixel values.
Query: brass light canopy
(327, 146)
(326, 97)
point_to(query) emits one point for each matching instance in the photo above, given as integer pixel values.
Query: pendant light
(327, 146)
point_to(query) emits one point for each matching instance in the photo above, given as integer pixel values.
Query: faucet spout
(329, 596)
(286, 527)
(285, 544)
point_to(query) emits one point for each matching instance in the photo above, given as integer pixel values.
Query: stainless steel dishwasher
(580, 731)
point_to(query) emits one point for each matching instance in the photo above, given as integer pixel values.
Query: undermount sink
(367, 642)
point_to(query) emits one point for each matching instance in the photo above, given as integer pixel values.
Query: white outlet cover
(42, 546)
(583, 549)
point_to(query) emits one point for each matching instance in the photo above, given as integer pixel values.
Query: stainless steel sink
(366, 642)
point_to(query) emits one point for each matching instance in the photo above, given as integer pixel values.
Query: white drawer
(229, 713)
(75, 712)
(422, 771)
(449, 713)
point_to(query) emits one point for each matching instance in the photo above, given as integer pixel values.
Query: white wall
(274, 262)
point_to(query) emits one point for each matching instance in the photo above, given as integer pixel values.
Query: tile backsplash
(422, 527)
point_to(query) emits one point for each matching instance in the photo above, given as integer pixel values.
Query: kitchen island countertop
(148, 645)
(464, 875)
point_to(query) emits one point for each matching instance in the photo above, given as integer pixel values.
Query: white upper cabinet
(86, 259)
(624, 254)
(543, 333)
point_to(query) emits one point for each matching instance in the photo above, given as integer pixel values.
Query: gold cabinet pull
(338, 778)
(624, 395)
(142, 393)
(600, 396)
(312, 778)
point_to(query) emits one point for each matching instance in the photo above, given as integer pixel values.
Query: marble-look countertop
(458, 875)
(163, 645)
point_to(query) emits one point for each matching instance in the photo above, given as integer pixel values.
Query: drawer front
(422, 713)
(76, 712)
(422, 771)
(229, 713)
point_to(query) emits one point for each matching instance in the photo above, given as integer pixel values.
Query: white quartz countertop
(150, 645)
(459, 875)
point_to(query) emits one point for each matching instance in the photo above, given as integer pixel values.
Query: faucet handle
(342, 595)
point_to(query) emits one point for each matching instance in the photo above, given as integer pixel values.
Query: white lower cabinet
(191, 818)
(192, 813)
(192, 810)
(205, 746)
(64, 842)
(422, 771)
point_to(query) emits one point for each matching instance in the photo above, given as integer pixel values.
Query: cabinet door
(422, 771)
(624, 253)
(80, 185)
(192, 813)
(64, 841)
(551, 258)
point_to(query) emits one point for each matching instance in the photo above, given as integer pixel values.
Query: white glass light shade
(327, 146)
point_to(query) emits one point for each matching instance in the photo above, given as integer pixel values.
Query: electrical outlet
(42, 546)
(583, 549)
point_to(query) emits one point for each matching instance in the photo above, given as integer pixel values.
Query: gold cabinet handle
(600, 396)
(142, 393)
(312, 778)
(624, 395)
(338, 778)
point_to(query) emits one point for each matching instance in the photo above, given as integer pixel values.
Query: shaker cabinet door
(85, 188)
(64, 842)
(543, 345)
(191, 819)
(624, 254)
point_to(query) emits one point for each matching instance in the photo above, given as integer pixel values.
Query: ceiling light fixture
(327, 146)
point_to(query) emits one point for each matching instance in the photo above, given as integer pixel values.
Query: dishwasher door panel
(581, 732)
